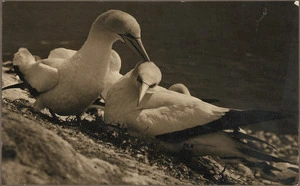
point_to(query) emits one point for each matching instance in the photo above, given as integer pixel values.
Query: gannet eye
(139, 79)
(152, 86)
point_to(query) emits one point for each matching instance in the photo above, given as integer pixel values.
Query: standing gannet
(114, 66)
(69, 86)
(178, 120)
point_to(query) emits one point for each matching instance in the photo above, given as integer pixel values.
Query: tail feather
(261, 156)
(240, 135)
(21, 85)
(235, 118)
(250, 152)
(231, 120)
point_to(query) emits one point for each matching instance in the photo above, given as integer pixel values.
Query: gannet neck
(96, 51)
(130, 85)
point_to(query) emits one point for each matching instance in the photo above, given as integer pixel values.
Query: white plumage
(68, 86)
(178, 120)
(160, 110)
(114, 70)
(114, 66)
(180, 88)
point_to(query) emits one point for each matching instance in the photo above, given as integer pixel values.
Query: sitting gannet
(180, 88)
(69, 86)
(178, 120)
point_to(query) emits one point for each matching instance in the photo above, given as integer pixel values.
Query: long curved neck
(96, 51)
(128, 87)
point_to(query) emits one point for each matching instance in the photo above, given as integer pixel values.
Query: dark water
(215, 48)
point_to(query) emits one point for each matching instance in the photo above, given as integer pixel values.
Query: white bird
(62, 53)
(180, 88)
(179, 121)
(69, 86)
(113, 74)
(114, 66)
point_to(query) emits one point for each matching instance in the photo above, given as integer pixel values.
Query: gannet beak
(136, 45)
(143, 90)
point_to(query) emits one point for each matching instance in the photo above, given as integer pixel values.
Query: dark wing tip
(24, 84)
(21, 85)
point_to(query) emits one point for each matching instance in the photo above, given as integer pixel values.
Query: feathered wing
(42, 77)
(36, 75)
(183, 122)
(61, 53)
(231, 120)
(164, 111)
(222, 144)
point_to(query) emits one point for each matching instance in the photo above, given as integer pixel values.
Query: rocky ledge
(40, 150)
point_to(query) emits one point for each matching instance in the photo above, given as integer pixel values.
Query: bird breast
(160, 111)
(78, 87)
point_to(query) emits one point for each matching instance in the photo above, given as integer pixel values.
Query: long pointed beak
(143, 90)
(136, 45)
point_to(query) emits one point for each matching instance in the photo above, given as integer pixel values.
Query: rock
(35, 155)
(288, 174)
(40, 150)
(245, 170)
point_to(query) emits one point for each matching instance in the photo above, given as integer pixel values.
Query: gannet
(178, 120)
(62, 53)
(180, 88)
(69, 86)
(114, 66)
(114, 70)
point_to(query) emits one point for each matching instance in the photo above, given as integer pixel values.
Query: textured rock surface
(40, 150)
(33, 154)
(40, 156)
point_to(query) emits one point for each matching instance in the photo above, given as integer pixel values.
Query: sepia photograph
(150, 93)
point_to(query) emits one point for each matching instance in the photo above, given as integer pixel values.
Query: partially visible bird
(114, 72)
(62, 53)
(180, 88)
(70, 86)
(180, 121)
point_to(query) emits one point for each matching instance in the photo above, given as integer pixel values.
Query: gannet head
(124, 27)
(23, 58)
(147, 75)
